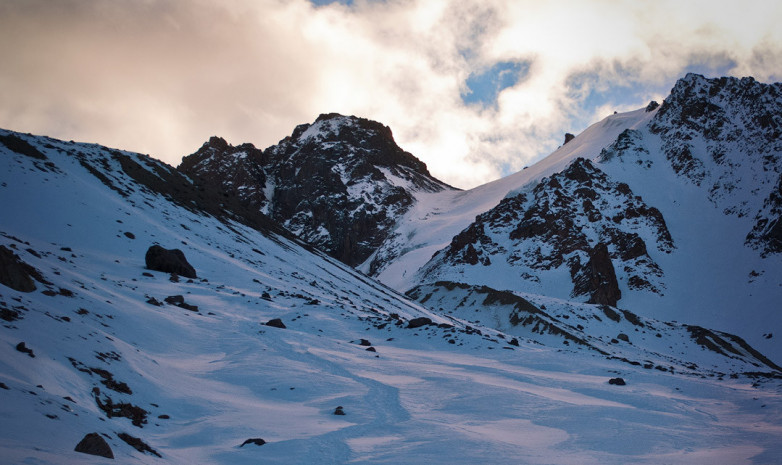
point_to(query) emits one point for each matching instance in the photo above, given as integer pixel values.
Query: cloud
(161, 76)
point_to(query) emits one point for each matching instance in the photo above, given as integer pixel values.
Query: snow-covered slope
(109, 348)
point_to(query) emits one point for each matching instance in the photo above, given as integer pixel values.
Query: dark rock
(179, 301)
(276, 323)
(164, 417)
(339, 411)
(3, 386)
(138, 444)
(418, 322)
(6, 314)
(21, 146)
(256, 441)
(15, 273)
(568, 138)
(169, 261)
(514, 342)
(129, 235)
(623, 337)
(652, 105)
(371, 349)
(155, 302)
(365, 342)
(94, 444)
(136, 414)
(617, 381)
(598, 278)
(148, 275)
(21, 347)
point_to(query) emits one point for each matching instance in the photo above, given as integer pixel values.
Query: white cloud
(161, 76)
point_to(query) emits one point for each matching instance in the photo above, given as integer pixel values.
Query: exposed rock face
(579, 219)
(169, 261)
(725, 135)
(15, 273)
(94, 444)
(339, 184)
(597, 278)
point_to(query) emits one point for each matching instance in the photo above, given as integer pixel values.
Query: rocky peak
(339, 183)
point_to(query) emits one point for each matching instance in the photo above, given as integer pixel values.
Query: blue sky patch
(329, 2)
(484, 87)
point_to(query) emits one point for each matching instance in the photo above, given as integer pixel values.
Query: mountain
(170, 316)
(340, 183)
(671, 211)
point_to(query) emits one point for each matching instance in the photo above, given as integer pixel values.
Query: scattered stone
(339, 411)
(164, 417)
(21, 347)
(174, 278)
(256, 441)
(6, 314)
(568, 138)
(155, 302)
(169, 261)
(617, 381)
(365, 342)
(623, 337)
(371, 349)
(147, 274)
(137, 444)
(514, 342)
(276, 323)
(418, 322)
(3, 386)
(15, 273)
(179, 301)
(652, 105)
(129, 235)
(94, 444)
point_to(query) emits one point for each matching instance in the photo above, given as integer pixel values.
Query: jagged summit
(339, 183)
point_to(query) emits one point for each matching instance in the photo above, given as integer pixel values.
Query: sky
(477, 89)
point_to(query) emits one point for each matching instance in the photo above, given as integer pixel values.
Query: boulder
(276, 323)
(94, 444)
(169, 261)
(418, 322)
(256, 441)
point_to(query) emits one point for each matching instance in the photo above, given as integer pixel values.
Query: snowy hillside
(170, 369)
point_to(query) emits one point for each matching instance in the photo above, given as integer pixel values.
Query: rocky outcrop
(598, 278)
(15, 273)
(579, 219)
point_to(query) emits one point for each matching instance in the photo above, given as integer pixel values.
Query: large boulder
(94, 444)
(169, 261)
(15, 273)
